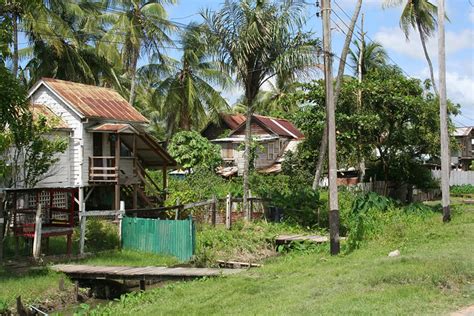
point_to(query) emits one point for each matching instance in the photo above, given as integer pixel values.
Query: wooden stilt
(142, 285)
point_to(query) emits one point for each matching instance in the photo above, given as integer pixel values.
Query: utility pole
(359, 93)
(331, 121)
(443, 114)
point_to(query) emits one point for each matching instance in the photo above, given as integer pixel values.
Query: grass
(129, 258)
(433, 275)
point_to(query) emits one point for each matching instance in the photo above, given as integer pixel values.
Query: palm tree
(137, 26)
(419, 15)
(188, 87)
(257, 40)
(36, 19)
(370, 56)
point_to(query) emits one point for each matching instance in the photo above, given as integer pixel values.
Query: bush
(462, 189)
(101, 235)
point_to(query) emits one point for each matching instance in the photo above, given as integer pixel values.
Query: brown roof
(233, 120)
(278, 126)
(95, 102)
(54, 120)
(113, 127)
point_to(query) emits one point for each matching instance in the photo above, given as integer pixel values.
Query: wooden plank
(197, 204)
(37, 238)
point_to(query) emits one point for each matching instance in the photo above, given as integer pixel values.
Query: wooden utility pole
(359, 94)
(443, 114)
(331, 120)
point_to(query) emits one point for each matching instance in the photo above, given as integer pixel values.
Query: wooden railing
(103, 169)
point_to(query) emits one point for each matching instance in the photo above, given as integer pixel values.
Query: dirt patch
(467, 311)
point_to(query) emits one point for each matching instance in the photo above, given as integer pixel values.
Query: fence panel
(172, 237)
(456, 177)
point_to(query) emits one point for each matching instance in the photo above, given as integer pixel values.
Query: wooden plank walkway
(77, 271)
(286, 239)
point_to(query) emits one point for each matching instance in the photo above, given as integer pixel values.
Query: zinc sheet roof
(95, 102)
(233, 120)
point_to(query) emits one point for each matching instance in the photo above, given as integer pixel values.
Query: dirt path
(467, 311)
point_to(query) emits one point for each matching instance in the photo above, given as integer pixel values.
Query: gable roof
(92, 101)
(232, 120)
(278, 126)
(55, 121)
(462, 131)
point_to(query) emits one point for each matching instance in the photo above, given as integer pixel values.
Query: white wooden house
(108, 147)
(274, 136)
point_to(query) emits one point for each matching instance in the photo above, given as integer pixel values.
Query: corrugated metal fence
(172, 237)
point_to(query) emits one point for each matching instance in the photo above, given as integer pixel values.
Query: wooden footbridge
(142, 274)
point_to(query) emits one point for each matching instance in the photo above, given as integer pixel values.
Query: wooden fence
(456, 177)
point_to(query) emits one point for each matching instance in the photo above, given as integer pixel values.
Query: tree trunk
(427, 56)
(248, 139)
(133, 74)
(15, 46)
(443, 115)
(340, 75)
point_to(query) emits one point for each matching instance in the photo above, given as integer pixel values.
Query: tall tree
(188, 87)
(421, 16)
(258, 40)
(137, 26)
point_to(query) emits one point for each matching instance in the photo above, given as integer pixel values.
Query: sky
(380, 25)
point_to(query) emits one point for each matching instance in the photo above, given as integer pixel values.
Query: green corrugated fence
(171, 237)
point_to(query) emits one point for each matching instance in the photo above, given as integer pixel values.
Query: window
(271, 151)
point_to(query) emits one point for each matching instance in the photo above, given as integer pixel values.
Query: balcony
(103, 169)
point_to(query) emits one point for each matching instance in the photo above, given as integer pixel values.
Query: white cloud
(471, 15)
(394, 39)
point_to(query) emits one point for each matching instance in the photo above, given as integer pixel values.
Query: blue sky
(382, 25)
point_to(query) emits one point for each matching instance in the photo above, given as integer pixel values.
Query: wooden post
(177, 210)
(117, 169)
(251, 205)
(37, 238)
(120, 216)
(228, 211)
(136, 171)
(214, 210)
(142, 285)
(165, 182)
(82, 219)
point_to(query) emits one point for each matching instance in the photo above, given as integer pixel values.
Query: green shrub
(462, 189)
(101, 235)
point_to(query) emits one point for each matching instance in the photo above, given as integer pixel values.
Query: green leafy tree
(191, 150)
(27, 146)
(258, 40)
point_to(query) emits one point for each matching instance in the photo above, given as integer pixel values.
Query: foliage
(462, 189)
(186, 95)
(101, 235)
(373, 56)
(292, 194)
(27, 145)
(191, 151)
(397, 127)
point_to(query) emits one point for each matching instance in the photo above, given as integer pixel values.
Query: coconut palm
(188, 87)
(136, 26)
(421, 16)
(257, 40)
(39, 22)
(373, 56)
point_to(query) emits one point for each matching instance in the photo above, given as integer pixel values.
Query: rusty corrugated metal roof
(233, 120)
(55, 121)
(113, 127)
(95, 102)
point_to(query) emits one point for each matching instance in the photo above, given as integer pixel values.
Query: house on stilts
(105, 162)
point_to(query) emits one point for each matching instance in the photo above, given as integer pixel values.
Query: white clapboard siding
(59, 174)
(456, 177)
(44, 96)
